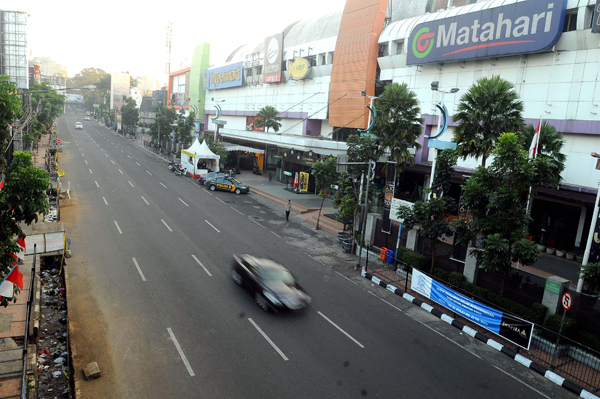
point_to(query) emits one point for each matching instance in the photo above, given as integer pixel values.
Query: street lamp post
(435, 87)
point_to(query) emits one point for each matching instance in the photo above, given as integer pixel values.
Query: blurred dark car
(271, 284)
(202, 180)
(226, 183)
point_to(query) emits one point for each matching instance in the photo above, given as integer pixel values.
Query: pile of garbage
(53, 362)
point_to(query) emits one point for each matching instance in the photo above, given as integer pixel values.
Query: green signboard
(371, 135)
(553, 287)
(218, 122)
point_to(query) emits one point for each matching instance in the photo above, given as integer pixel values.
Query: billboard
(518, 28)
(273, 57)
(223, 77)
(119, 87)
(513, 329)
(251, 126)
(74, 99)
(299, 69)
(390, 185)
(596, 18)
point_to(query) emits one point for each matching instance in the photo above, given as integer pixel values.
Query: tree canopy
(129, 114)
(488, 109)
(398, 123)
(267, 117)
(496, 199)
(360, 149)
(550, 145)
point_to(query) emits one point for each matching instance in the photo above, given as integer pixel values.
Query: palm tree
(488, 109)
(398, 122)
(267, 117)
(550, 144)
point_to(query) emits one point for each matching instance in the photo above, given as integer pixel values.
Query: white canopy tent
(199, 159)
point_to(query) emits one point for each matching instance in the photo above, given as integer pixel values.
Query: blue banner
(224, 77)
(509, 327)
(518, 28)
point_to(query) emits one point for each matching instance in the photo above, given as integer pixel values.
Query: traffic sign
(567, 301)
(58, 141)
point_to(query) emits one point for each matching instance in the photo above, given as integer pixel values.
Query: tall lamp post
(216, 118)
(435, 86)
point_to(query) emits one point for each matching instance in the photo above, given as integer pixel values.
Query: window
(383, 49)
(398, 46)
(570, 22)
(259, 70)
(248, 72)
(330, 55)
(323, 59)
(312, 60)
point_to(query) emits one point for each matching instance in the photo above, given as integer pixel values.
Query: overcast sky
(124, 35)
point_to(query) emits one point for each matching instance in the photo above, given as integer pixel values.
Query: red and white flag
(533, 148)
(21, 243)
(15, 277)
(1, 184)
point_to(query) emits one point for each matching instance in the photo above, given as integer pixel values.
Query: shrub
(591, 275)
(456, 279)
(441, 274)
(569, 329)
(415, 259)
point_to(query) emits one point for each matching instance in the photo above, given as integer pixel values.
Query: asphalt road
(151, 279)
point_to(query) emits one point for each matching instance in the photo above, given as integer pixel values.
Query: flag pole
(536, 138)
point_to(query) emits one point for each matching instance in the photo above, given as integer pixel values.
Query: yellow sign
(303, 182)
(298, 69)
(61, 173)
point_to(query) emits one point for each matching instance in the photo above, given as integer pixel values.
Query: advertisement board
(273, 58)
(519, 28)
(512, 328)
(596, 18)
(390, 185)
(396, 204)
(251, 126)
(298, 69)
(223, 77)
(119, 88)
(74, 99)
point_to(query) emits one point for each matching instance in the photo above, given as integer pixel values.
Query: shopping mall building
(314, 71)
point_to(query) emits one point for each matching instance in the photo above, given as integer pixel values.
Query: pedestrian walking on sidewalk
(288, 208)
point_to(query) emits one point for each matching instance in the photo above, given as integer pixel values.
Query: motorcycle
(181, 171)
(173, 165)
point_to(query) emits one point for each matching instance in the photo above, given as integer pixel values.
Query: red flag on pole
(533, 148)
(15, 277)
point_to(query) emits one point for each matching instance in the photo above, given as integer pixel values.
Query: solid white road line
(91, 172)
(182, 202)
(200, 263)
(265, 336)
(86, 162)
(237, 211)
(212, 226)
(162, 185)
(97, 185)
(166, 225)
(222, 201)
(147, 203)
(342, 331)
(138, 164)
(120, 171)
(276, 235)
(118, 228)
(113, 162)
(185, 361)
(130, 183)
(149, 173)
(105, 200)
(139, 269)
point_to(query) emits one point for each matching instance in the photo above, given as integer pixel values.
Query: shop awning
(236, 147)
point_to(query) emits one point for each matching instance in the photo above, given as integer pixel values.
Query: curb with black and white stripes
(552, 376)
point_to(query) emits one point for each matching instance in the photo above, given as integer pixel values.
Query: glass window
(383, 49)
(570, 22)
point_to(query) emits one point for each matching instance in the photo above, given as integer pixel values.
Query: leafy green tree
(398, 123)
(360, 149)
(325, 173)
(591, 275)
(345, 201)
(549, 146)
(432, 215)
(185, 127)
(22, 199)
(87, 77)
(165, 117)
(488, 109)
(267, 117)
(129, 114)
(496, 198)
